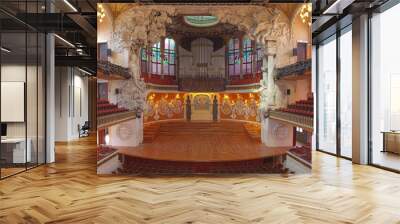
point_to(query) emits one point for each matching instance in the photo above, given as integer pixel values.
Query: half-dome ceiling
(201, 21)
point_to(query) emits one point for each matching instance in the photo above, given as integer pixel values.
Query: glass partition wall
(334, 94)
(385, 90)
(327, 96)
(22, 76)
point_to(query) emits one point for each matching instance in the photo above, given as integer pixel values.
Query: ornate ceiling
(184, 33)
(179, 28)
(289, 9)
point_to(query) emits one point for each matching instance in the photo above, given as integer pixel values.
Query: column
(92, 99)
(50, 98)
(360, 90)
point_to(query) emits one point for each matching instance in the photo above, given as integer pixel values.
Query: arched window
(144, 65)
(155, 67)
(161, 59)
(243, 60)
(259, 57)
(247, 56)
(169, 57)
(234, 57)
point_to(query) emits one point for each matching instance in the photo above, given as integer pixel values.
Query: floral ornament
(226, 107)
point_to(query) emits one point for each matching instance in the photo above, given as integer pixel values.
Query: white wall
(71, 103)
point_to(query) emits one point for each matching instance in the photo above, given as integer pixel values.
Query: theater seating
(136, 165)
(301, 107)
(104, 151)
(104, 107)
(303, 152)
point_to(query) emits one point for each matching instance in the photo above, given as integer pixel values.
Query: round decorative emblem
(163, 107)
(124, 131)
(280, 131)
(226, 108)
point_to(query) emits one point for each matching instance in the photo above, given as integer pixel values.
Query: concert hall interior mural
(204, 89)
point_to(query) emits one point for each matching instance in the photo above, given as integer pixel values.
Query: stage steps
(150, 132)
(253, 130)
(201, 128)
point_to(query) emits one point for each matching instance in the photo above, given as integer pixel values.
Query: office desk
(13, 150)
(391, 141)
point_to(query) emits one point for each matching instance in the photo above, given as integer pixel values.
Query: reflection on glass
(327, 96)
(14, 153)
(346, 94)
(22, 91)
(385, 84)
(31, 97)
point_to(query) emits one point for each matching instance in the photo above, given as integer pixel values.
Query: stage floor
(203, 142)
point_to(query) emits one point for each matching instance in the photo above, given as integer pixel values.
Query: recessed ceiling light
(64, 40)
(5, 50)
(70, 5)
(86, 72)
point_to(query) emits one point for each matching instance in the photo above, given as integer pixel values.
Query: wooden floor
(203, 142)
(387, 159)
(71, 192)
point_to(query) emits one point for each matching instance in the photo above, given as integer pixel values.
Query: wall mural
(201, 102)
(240, 106)
(236, 106)
(164, 106)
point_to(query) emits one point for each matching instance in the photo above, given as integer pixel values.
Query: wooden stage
(203, 142)
(201, 147)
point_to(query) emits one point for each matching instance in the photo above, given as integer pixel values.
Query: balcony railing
(201, 84)
(305, 122)
(108, 69)
(298, 68)
(111, 119)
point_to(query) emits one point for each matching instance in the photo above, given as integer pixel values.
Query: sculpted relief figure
(135, 28)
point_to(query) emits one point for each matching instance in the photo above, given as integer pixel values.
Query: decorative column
(268, 70)
(268, 94)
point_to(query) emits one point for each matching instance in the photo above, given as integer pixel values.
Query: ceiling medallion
(201, 21)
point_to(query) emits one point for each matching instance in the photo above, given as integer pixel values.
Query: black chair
(84, 130)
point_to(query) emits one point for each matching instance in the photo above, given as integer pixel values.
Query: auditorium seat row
(104, 107)
(104, 151)
(135, 165)
(303, 152)
(301, 107)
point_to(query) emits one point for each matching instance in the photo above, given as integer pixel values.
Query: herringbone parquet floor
(69, 191)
